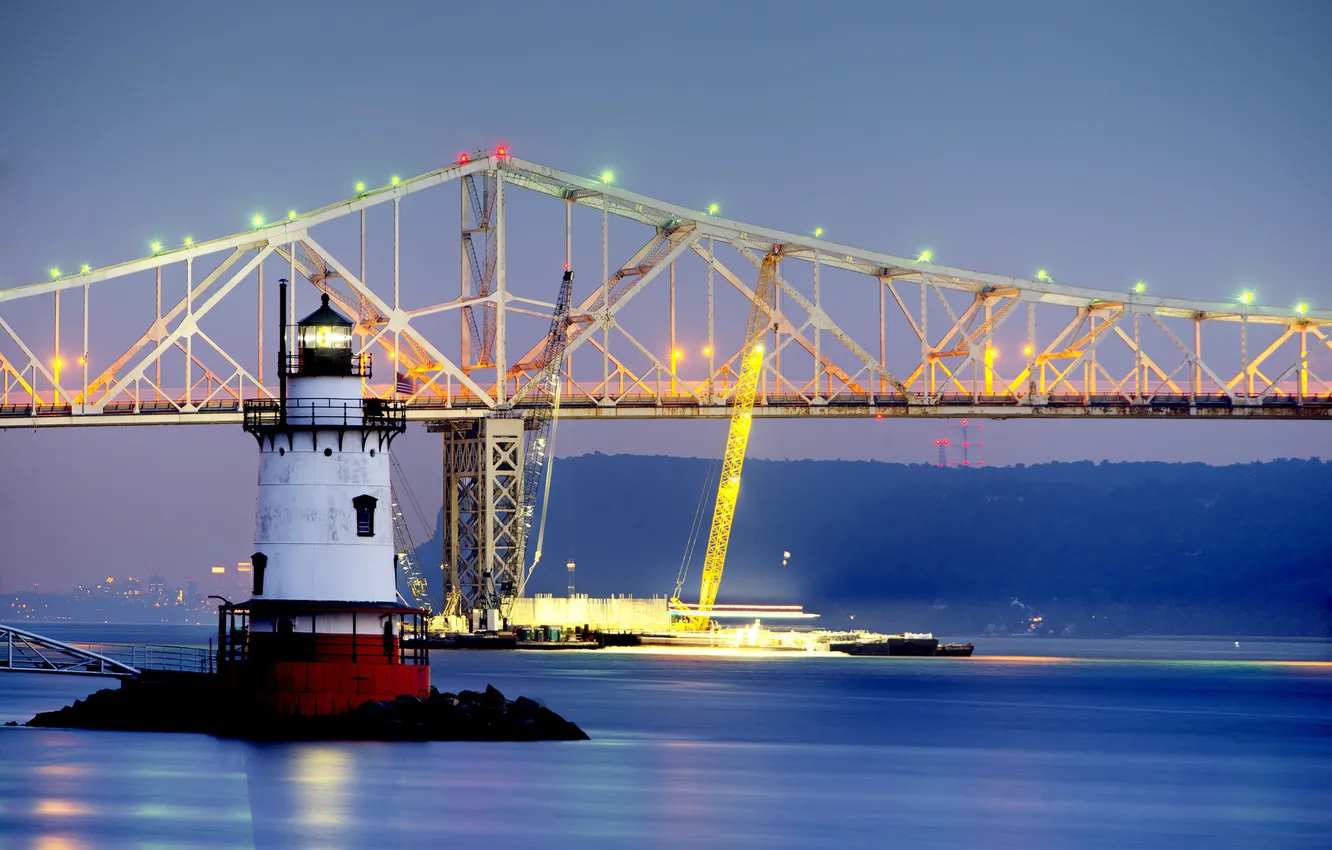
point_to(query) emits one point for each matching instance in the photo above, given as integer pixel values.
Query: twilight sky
(1181, 143)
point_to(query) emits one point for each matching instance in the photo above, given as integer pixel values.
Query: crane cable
(699, 514)
(550, 473)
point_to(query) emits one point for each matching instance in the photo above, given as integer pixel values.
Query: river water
(1032, 743)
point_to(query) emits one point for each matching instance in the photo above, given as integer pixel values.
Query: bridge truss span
(456, 327)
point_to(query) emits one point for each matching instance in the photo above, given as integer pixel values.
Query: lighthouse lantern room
(324, 629)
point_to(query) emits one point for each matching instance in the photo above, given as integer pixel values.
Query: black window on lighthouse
(365, 515)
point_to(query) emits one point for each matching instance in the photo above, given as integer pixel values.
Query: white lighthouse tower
(325, 630)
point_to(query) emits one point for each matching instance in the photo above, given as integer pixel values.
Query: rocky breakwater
(199, 704)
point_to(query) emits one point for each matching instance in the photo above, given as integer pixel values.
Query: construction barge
(750, 637)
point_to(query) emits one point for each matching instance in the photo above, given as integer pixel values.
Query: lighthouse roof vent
(325, 316)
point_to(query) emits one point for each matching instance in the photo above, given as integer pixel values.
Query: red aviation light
(878, 416)
(965, 462)
(937, 442)
(463, 159)
(964, 421)
(980, 445)
(948, 442)
(501, 151)
(980, 463)
(966, 445)
(950, 463)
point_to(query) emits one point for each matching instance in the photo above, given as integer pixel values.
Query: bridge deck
(1283, 403)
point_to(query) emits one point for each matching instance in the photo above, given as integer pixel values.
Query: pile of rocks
(198, 705)
(465, 716)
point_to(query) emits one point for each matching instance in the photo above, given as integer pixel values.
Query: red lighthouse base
(275, 654)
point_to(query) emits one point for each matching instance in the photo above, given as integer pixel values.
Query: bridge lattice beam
(949, 351)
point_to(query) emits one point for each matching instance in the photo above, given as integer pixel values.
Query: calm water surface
(1110, 744)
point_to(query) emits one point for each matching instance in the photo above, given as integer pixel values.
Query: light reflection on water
(734, 750)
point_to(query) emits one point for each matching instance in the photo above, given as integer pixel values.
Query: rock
(201, 704)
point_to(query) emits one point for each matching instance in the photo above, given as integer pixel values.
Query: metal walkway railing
(29, 652)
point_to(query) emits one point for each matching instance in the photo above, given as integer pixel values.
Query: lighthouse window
(365, 515)
(259, 561)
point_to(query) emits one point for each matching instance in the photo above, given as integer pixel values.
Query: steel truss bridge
(179, 336)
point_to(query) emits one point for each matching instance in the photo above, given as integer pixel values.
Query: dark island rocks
(196, 703)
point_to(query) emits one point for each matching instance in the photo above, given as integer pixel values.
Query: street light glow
(1139, 287)
(156, 247)
(85, 268)
(1246, 297)
(257, 221)
(818, 232)
(925, 257)
(55, 273)
(189, 241)
(291, 215)
(713, 209)
(360, 187)
(1300, 308)
(1042, 275)
(607, 177)
(394, 180)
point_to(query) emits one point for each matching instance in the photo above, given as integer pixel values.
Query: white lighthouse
(325, 630)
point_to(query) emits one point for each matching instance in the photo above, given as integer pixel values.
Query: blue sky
(1182, 143)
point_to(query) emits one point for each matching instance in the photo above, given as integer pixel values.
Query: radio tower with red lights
(966, 444)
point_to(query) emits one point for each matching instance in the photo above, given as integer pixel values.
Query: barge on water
(908, 645)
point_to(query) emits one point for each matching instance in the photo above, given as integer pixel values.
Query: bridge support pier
(484, 523)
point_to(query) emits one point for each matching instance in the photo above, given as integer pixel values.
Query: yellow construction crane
(728, 488)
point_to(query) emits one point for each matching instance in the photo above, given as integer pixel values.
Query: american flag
(406, 385)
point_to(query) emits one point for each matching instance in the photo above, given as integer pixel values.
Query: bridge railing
(156, 657)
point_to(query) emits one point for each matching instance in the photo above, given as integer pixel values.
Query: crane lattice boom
(728, 488)
(544, 390)
(404, 548)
